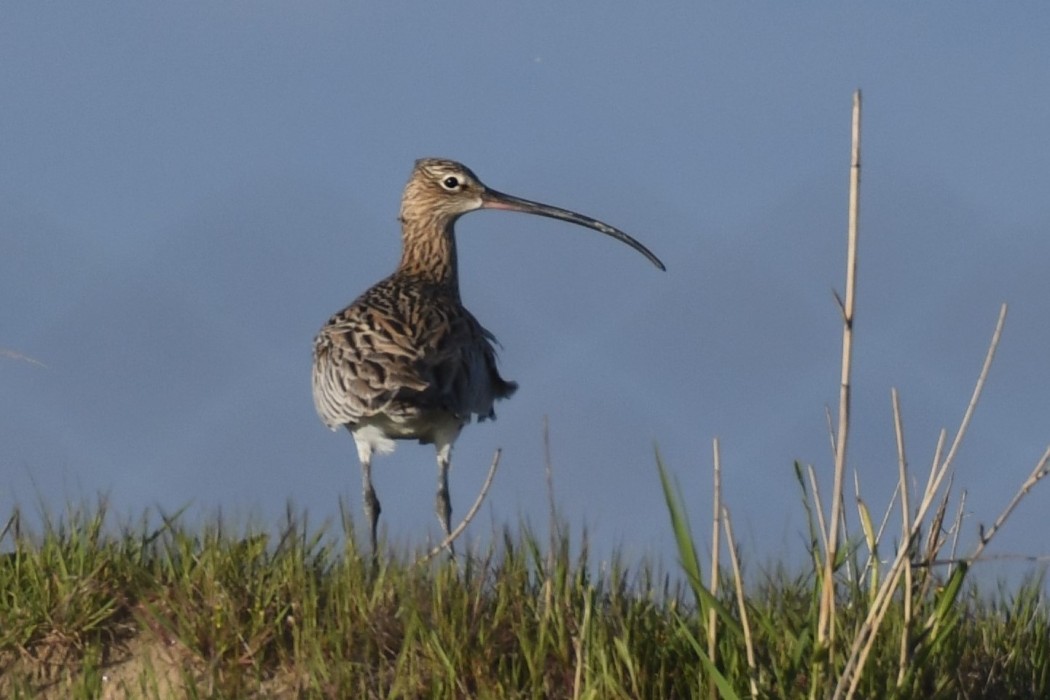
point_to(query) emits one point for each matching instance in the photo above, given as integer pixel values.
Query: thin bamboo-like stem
(825, 626)
(716, 531)
(1041, 469)
(843, 525)
(459, 529)
(847, 562)
(979, 387)
(935, 533)
(902, 487)
(957, 528)
(884, 523)
(818, 505)
(738, 581)
(942, 438)
(870, 567)
(938, 472)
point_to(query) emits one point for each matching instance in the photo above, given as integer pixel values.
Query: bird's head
(440, 191)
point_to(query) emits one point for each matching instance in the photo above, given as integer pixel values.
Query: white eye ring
(451, 183)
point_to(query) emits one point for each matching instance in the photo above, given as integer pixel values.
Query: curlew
(406, 360)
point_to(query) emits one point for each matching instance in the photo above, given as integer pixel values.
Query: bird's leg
(372, 508)
(442, 505)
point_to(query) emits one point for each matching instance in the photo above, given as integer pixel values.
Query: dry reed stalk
(902, 487)
(884, 523)
(459, 529)
(716, 529)
(825, 626)
(818, 505)
(1040, 471)
(957, 528)
(738, 581)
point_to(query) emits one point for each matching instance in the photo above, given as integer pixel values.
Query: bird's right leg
(372, 508)
(443, 441)
(443, 506)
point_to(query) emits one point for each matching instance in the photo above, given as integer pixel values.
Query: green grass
(174, 611)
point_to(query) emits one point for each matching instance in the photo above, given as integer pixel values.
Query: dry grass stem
(935, 534)
(887, 513)
(716, 530)
(459, 529)
(818, 506)
(979, 387)
(825, 626)
(902, 488)
(738, 581)
(1034, 477)
(956, 529)
(942, 438)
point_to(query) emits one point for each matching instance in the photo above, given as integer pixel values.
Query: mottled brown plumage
(406, 360)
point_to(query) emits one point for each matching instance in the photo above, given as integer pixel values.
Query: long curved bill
(491, 199)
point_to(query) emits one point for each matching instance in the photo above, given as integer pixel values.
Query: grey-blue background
(188, 190)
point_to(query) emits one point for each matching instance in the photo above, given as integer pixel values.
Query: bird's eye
(451, 183)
